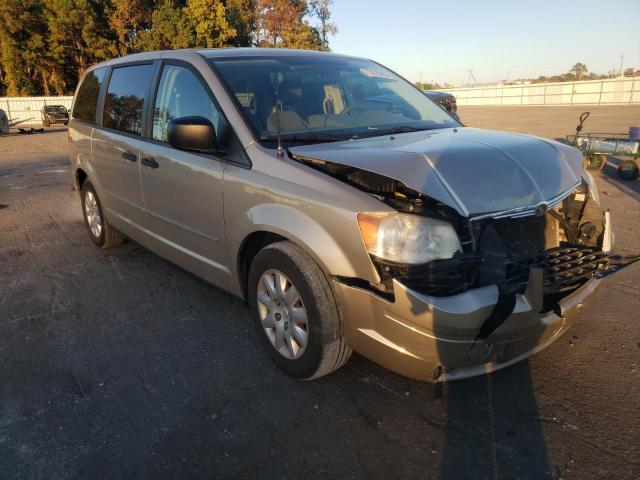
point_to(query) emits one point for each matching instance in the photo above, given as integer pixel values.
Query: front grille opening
(564, 268)
(439, 278)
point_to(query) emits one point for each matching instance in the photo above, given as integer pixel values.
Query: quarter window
(181, 94)
(124, 102)
(86, 102)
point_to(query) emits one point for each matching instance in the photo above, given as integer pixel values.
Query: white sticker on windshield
(377, 73)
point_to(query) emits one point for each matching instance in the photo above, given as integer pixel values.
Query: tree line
(45, 45)
(581, 72)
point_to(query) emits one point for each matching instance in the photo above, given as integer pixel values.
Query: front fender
(339, 252)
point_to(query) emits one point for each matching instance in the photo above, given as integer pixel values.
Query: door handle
(150, 162)
(129, 156)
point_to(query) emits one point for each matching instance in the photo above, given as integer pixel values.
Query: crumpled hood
(474, 171)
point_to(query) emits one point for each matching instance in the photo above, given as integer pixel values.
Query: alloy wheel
(282, 314)
(92, 212)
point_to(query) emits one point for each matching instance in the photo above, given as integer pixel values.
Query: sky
(497, 40)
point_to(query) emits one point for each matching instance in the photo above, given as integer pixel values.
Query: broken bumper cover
(436, 338)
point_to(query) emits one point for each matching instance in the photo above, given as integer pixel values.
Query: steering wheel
(354, 108)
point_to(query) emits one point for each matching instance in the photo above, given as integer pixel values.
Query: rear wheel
(295, 312)
(628, 170)
(99, 229)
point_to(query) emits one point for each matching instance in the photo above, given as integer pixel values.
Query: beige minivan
(347, 209)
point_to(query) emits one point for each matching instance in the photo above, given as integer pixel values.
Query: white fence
(26, 110)
(615, 91)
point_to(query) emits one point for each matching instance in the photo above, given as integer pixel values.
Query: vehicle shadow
(493, 426)
(33, 130)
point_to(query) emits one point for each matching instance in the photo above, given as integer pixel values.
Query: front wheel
(295, 312)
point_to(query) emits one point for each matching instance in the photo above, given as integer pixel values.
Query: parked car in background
(344, 206)
(52, 114)
(445, 100)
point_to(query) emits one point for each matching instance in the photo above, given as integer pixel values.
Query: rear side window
(86, 102)
(124, 102)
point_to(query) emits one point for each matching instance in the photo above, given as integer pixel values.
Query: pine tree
(282, 24)
(242, 20)
(208, 19)
(128, 18)
(79, 35)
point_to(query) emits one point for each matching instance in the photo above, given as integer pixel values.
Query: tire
(325, 349)
(4, 122)
(106, 236)
(628, 170)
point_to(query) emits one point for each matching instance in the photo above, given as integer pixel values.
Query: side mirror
(195, 134)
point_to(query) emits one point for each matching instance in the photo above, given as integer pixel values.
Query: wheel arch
(80, 177)
(251, 245)
(336, 252)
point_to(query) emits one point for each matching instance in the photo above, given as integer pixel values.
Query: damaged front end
(502, 297)
(569, 238)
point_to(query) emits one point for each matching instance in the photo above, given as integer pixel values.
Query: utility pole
(621, 60)
(472, 76)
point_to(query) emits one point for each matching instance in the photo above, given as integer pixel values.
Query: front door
(183, 190)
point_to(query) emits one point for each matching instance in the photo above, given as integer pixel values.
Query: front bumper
(435, 338)
(53, 120)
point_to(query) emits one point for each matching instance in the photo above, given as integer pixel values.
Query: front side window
(320, 97)
(181, 94)
(124, 102)
(86, 101)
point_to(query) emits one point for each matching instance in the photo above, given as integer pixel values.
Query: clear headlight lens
(405, 238)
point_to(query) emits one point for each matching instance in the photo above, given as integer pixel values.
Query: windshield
(325, 98)
(56, 109)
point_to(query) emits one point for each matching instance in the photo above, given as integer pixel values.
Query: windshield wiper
(389, 131)
(306, 137)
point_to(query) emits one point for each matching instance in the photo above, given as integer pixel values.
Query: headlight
(404, 238)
